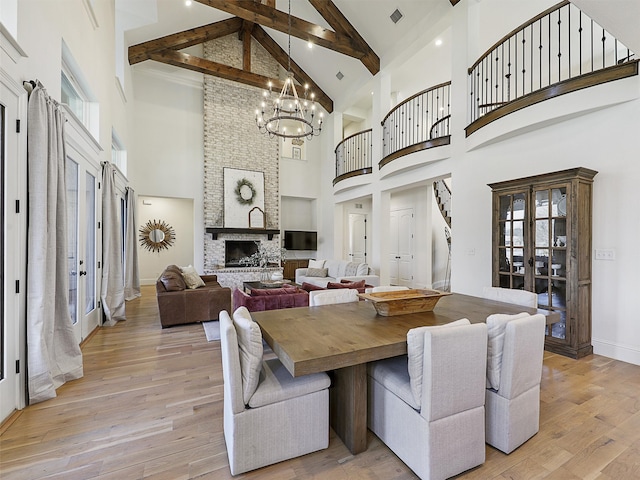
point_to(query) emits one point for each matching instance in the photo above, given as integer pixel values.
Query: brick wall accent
(231, 139)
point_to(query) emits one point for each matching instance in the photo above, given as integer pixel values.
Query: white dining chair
(510, 295)
(332, 296)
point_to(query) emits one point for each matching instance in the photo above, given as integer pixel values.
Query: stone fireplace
(232, 140)
(235, 250)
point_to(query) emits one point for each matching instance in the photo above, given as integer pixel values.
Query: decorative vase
(277, 276)
(264, 275)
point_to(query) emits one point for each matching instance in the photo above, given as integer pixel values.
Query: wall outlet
(605, 254)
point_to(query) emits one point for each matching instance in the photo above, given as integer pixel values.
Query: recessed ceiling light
(187, 3)
(309, 44)
(396, 16)
(438, 42)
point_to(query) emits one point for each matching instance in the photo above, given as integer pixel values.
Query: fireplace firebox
(235, 250)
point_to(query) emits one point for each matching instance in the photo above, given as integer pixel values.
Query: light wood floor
(150, 406)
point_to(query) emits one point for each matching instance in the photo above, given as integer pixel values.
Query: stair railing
(443, 198)
(557, 46)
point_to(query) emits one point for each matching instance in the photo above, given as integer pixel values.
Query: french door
(12, 246)
(82, 237)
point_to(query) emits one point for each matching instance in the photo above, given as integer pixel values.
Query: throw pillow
(316, 264)
(172, 280)
(415, 355)
(496, 325)
(363, 269)
(191, 277)
(359, 285)
(263, 292)
(316, 272)
(250, 350)
(310, 287)
(348, 284)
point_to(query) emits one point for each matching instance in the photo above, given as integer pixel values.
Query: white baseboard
(624, 353)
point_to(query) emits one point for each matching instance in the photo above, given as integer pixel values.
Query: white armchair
(514, 372)
(428, 407)
(269, 416)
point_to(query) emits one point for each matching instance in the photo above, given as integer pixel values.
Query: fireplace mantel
(214, 231)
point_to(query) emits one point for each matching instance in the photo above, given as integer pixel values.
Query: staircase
(443, 197)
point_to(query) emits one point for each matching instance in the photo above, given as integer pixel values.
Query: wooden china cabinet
(542, 243)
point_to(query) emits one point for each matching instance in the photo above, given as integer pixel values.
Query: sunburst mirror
(156, 235)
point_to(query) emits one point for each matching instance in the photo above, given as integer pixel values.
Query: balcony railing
(418, 123)
(353, 156)
(559, 51)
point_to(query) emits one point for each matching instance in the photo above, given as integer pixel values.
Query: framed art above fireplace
(243, 192)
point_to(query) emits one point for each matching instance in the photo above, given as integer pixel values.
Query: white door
(358, 237)
(82, 204)
(12, 242)
(401, 247)
(405, 247)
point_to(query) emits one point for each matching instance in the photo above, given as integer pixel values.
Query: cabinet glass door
(550, 261)
(511, 240)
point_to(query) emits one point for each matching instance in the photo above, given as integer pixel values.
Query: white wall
(178, 213)
(166, 156)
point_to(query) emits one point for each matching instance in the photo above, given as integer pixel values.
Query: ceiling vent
(396, 16)
(339, 75)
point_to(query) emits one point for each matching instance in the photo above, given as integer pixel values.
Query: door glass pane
(504, 259)
(542, 289)
(559, 263)
(542, 203)
(2, 253)
(559, 202)
(505, 207)
(542, 233)
(542, 261)
(72, 236)
(558, 330)
(559, 294)
(90, 247)
(518, 206)
(518, 234)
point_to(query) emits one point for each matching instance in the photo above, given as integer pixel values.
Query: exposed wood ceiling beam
(340, 24)
(272, 18)
(178, 41)
(208, 67)
(298, 74)
(453, 2)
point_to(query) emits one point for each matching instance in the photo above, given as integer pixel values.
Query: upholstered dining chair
(511, 295)
(428, 406)
(269, 416)
(331, 296)
(386, 288)
(514, 371)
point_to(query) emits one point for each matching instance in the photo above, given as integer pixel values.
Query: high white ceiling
(371, 18)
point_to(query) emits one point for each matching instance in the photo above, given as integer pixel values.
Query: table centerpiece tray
(403, 302)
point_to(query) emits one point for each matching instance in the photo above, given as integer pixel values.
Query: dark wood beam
(246, 45)
(197, 64)
(453, 2)
(272, 18)
(177, 41)
(299, 75)
(340, 24)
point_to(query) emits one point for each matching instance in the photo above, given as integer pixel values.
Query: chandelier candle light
(290, 116)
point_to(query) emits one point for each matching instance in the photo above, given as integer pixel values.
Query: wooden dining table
(343, 338)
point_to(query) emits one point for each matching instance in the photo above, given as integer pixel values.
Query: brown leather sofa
(179, 305)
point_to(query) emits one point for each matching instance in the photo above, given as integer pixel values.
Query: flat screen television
(299, 240)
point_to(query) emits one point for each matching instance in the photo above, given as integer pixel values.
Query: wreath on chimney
(245, 192)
